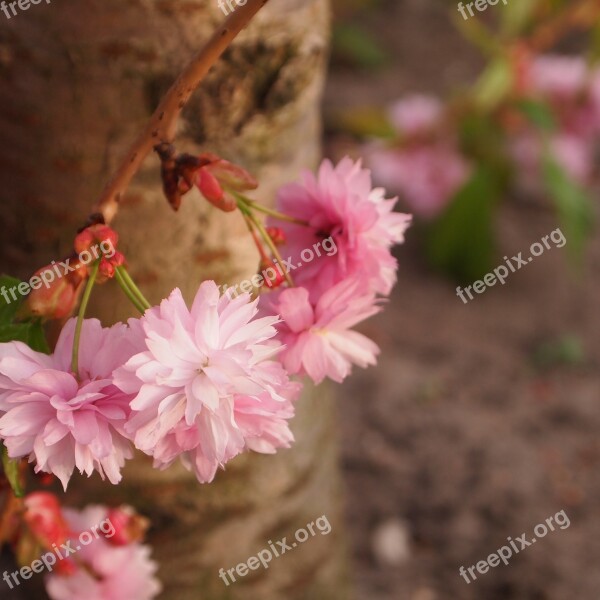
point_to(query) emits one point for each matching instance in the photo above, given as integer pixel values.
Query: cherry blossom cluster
(206, 382)
(81, 553)
(426, 165)
(571, 89)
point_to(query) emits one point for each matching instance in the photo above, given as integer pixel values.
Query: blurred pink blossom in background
(101, 574)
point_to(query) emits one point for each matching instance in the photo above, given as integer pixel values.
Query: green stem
(128, 291)
(267, 238)
(133, 287)
(274, 213)
(82, 308)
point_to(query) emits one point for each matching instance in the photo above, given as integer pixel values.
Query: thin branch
(162, 125)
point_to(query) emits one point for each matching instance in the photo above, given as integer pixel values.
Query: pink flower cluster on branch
(206, 383)
(338, 292)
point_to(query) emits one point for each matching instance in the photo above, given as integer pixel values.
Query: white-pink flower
(318, 338)
(427, 176)
(104, 571)
(340, 203)
(206, 386)
(59, 421)
(559, 77)
(416, 114)
(572, 153)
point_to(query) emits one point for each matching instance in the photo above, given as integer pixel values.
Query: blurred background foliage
(527, 129)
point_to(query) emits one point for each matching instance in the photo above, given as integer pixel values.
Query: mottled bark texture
(78, 82)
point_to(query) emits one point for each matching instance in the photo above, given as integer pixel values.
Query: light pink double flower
(202, 385)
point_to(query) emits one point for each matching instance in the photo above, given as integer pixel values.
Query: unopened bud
(272, 276)
(229, 175)
(43, 516)
(95, 235)
(107, 266)
(59, 293)
(277, 235)
(128, 526)
(211, 189)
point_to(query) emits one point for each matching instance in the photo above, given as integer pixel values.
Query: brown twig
(161, 127)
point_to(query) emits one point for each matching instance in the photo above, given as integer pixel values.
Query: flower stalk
(81, 315)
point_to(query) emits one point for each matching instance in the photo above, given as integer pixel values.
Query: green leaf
(494, 84)
(30, 332)
(538, 114)
(37, 337)
(460, 242)
(11, 470)
(573, 205)
(9, 309)
(353, 44)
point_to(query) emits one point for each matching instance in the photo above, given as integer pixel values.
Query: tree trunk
(78, 82)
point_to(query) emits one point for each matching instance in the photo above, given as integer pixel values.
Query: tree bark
(78, 81)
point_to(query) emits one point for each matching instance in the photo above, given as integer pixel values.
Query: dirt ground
(458, 439)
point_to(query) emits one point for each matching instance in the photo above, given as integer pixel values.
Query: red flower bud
(229, 175)
(46, 527)
(272, 276)
(209, 186)
(58, 293)
(129, 527)
(277, 235)
(211, 189)
(108, 265)
(44, 519)
(99, 235)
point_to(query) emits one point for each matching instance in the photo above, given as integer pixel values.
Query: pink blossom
(106, 571)
(559, 77)
(318, 337)
(573, 153)
(427, 176)
(341, 203)
(206, 386)
(416, 114)
(595, 100)
(573, 91)
(61, 422)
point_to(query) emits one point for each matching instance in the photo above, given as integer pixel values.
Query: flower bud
(272, 276)
(108, 265)
(211, 189)
(229, 175)
(59, 293)
(129, 527)
(277, 235)
(96, 235)
(43, 517)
